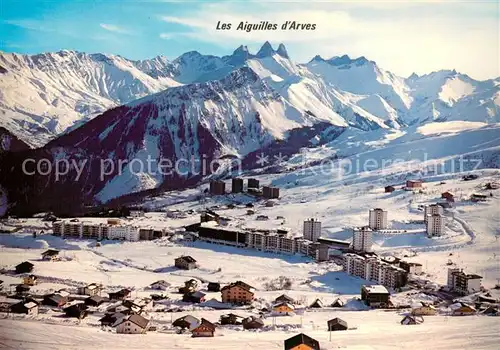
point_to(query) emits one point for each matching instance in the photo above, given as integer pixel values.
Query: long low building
(95, 231)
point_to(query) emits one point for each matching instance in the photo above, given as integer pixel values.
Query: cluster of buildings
(218, 187)
(113, 229)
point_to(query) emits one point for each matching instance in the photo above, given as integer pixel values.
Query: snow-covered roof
(377, 288)
(30, 305)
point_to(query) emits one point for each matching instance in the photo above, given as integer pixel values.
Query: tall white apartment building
(123, 232)
(432, 210)
(312, 230)
(435, 225)
(362, 239)
(465, 284)
(377, 219)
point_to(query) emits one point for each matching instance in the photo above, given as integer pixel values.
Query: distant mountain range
(96, 106)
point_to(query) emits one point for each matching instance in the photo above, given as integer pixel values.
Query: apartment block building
(462, 283)
(432, 209)
(435, 225)
(271, 242)
(362, 239)
(270, 192)
(217, 187)
(312, 230)
(237, 185)
(373, 269)
(377, 219)
(95, 231)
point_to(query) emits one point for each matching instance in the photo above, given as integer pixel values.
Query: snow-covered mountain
(45, 95)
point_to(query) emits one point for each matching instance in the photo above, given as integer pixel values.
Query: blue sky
(403, 37)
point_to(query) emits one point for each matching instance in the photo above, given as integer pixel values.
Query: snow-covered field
(470, 242)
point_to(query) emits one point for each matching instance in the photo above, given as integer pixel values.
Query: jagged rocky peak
(345, 59)
(242, 53)
(413, 76)
(317, 58)
(266, 50)
(282, 51)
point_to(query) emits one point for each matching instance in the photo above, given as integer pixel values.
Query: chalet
(22, 289)
(54, 299)
(90, 289)
(24, 267)
(76, 311)
(120, 295)
(478, 197)
(230, 319)
(283, 309)
(120, 309)
(159, 285)
(196, 297)
(185, 262)
(186, 322)
(283, 298)
(213, 287)
(138, 305)
(133, 324)
(30, 280)
(95, 300)
(463, 310)
(253, 322)
(301, 342)
(469, 177)
(424, 310)
(413, 184)
(110, 318)
(337, 303)
(389, 189)
(317, 304)
(28, 307)
(189, 286)
(375, 295)
(491, 310)
(50, 255)
(337, 324)
(237, 293)
(450, 197)
(203, 329)
(410, 320)
(63, 292)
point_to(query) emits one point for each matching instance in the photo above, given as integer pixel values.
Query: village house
(196, 297)
(337, 303)
(50, 255)
(375, 295)
(22, 289)
(187, 321)
(462, 310)
(424, 310)
(389, 189)
(301, 342)
(30, 280)
(189, 286)
(413, 185)
(24, 267)
(317, 304)
(283, 298)
(411, 320)
(132, 324)
(252, 322)
(450, 197)
(203, 329)
(213, 287)
(95, 300)
(283, 309)
(78, 311)
(110, 318)
(122, 294)
(237, 293)
(337, 324)
(54, 299)
(138, 305)
(90, 289)
(478, 197)
(159, 285)
(185, 262)
(230, 319)
(491, 310)
(28, 307)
